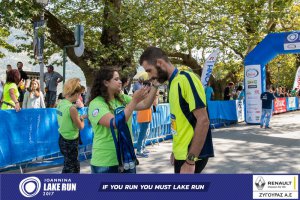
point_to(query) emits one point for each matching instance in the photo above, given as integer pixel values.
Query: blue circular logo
(292, 37)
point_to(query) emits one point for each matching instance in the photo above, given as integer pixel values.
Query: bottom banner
(159, 186)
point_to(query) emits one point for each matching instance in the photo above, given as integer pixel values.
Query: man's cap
(50, 66)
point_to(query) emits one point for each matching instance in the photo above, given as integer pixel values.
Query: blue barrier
(222, 113)
(28, 134)
(32, 134)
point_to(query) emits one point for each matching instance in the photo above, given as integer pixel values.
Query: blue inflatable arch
(255, 68)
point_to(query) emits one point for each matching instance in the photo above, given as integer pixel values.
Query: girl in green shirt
(69, 123)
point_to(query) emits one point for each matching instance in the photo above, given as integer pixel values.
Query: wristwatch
(192, 157)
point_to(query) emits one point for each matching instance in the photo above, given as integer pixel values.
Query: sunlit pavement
(239, 148)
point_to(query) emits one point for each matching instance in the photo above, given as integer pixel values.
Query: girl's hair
(13, 76)
(71, 87)
(99, 88)
(37, 91)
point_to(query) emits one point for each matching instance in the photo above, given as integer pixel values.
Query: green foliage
(235, 27)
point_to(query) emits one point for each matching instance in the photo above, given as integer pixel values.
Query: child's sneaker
(141, 155)
(146, 151)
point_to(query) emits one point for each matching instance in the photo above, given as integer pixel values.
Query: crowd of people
(19, 91)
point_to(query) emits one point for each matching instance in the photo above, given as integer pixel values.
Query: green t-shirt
(104, 151)
(6, 96)
(67, 128)
(186, 94)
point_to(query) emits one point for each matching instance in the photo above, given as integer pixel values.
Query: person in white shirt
(34, 98)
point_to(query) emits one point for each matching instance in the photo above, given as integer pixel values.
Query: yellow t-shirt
(186, 94)
(6, 95)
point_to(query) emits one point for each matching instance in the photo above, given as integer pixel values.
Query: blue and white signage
(253, 90)
(208, 67)
(292, 41)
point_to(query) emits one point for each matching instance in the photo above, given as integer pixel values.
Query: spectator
(293, 92)
(240, 93)
(11, 92)
(34, 98)
(267, 99)
(8, 68)
(192, 141)
(228, 91)
(23, 84)
(144, 118)
(70, 123)
(209, 92)
(106, 98)
(52, 79)
(125, 83)
(80, 101)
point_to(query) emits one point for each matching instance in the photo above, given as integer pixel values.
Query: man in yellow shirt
(192, 141)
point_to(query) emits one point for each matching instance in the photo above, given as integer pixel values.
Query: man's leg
(262, 118)
(268, 117)
(52, 99)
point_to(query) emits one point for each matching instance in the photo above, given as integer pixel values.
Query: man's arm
(60, 78)
(200, 133)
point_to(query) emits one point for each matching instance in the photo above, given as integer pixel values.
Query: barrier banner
(149, 187)
(291, 103)
(240, 110)
(298, 100)
(279, 105)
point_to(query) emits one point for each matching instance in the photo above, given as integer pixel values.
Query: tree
(117, 31)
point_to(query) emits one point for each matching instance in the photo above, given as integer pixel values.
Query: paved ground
(239, 148)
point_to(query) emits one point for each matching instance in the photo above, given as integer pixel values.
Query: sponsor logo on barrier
(279, 103)
(251, 73)
(31, 186)
(275, 186)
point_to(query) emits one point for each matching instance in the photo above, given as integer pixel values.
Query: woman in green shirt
(10, 91)
(106, 97)
(69, 123)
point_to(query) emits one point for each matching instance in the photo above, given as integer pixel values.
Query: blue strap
(125, 142)
(115, 141)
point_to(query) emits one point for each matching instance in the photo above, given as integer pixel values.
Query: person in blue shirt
(267, 99)
(209, 92)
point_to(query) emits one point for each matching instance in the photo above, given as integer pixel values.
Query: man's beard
(162, 76)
